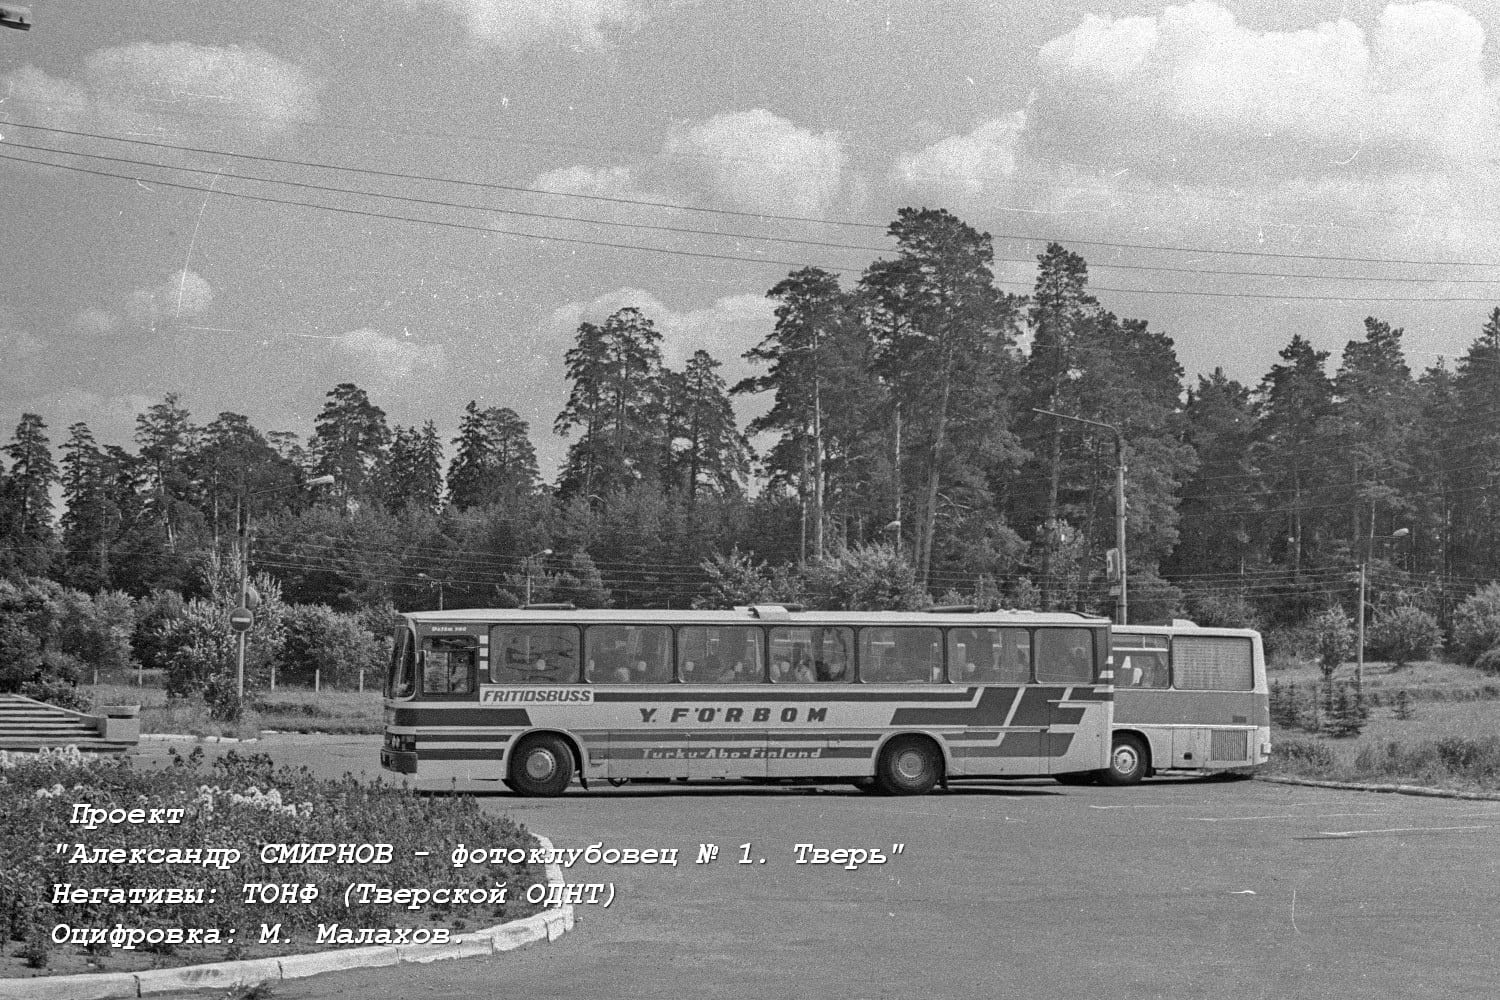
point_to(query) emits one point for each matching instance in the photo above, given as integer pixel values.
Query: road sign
(240, 619)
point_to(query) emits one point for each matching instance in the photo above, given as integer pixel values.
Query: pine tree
(26, 535)
(616, 401)
(494, 460)
(944, 337)
(710, 452)
(349, 441)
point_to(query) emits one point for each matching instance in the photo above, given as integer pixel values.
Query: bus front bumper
(400, 761)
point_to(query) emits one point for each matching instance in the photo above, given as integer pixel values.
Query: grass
(1448, 737)
(283, 710)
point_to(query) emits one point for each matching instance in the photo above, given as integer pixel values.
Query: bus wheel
(1127, 762)
(908, 766)
(1077, 778)
(542, 765)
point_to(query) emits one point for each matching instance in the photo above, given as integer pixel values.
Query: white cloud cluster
(760, 162)
(182, 294)
(586, 25)
(754, 161)
(1189, 125)
(385, 359)
(174, 90)
(1192, 84)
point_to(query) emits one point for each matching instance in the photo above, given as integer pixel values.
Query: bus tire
(1127, 762)
(1076, 778)
(541, 765)
(909, 765)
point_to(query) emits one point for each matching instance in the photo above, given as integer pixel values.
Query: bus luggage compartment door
(1190, 747)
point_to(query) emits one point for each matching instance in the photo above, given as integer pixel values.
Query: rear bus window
(534, 654)
(726, 655)
(1064, 655)
(628, 654)
(911, 655)
(1218, 663)
(447, 664)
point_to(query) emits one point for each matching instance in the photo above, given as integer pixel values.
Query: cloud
(183, 294)
(585, 25)
(754, 161)
(171, 90)
(96, 322)
(964, 166)
(384, 358)
(760, 162)
(1191, 89)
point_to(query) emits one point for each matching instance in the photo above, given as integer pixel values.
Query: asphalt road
(1176, 888)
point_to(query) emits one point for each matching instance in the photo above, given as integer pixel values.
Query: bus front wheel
(908, 766)
(1127, 762)
(541, 766)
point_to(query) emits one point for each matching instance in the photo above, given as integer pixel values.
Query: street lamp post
(244, 608)
(534, 555)
(1364, 572)
(1122, 610)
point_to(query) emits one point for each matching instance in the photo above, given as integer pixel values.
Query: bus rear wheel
(909, 765)
(542, 765)
(1127, 762)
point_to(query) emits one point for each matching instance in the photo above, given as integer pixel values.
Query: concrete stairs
(26, 724)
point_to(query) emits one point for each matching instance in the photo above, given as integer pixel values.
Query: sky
(247, 204)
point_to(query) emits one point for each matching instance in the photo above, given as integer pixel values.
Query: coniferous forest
(907, 462)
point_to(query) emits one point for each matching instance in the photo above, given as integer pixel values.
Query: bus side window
(1064, 655)
(535, 654)
(900, 655)
(628, 654)
(447, 664)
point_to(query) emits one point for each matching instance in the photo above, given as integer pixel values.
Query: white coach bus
(1186, 699)
(893, 701)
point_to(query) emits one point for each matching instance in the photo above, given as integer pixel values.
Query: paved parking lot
(1177, 888)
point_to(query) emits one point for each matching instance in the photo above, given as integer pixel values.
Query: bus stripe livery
(899, 701)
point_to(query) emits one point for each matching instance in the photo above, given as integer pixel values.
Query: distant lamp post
(434, 581)
(242, 617)
(529, 560)
(1364, 573)
(1118, 564)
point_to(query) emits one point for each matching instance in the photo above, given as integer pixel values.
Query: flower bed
(110, 867)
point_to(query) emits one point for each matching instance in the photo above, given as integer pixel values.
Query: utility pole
(1122, 609)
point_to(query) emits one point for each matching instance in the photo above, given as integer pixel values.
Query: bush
(1488, 661)
(1404, 633)
(1333, 638)
(738, 578)
(1306, 753)
(865, 578)
(1221, 610)
(1476, 623)
(242, 803)
(152, 616)
(1153, 599)
(319, 638)
(96, 630)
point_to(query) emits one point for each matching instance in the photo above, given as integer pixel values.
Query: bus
(894, 702)
(1186, 699)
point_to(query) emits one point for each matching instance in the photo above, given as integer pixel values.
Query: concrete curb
(1352, 786)
(549, 925)
(190, 738)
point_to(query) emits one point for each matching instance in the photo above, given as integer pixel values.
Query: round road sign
(240, 619)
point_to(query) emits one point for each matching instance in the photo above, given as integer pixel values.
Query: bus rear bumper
(400, 761)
